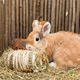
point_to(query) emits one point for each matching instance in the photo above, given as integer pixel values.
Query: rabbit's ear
(35, 24)
(46, 29)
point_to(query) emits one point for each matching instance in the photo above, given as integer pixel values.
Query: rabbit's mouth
(30, 47)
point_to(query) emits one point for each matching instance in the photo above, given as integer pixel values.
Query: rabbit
(61, 47)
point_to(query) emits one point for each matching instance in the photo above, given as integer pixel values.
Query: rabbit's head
(37, 39)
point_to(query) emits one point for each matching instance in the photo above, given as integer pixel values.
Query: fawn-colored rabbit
(63, 48)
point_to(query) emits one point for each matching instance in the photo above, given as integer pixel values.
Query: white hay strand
(14, 58)
(27, 59)
(8, 59)
(33, 60)
(24, 60)
(40, 61)
(19, 61)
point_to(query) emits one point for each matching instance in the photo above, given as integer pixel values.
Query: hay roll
(25, 60)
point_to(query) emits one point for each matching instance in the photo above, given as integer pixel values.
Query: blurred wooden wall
(16, 17)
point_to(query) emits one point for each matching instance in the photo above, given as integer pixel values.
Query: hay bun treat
(25, 60)
(63, 48)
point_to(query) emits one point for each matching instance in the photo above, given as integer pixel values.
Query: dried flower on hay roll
(18, 44)
(25, 60)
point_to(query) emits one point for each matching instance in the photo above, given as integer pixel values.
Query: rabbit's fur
(62, 48)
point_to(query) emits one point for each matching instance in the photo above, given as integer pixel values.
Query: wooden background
(16, 17)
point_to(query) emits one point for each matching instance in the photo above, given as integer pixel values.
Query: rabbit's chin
(30, 47)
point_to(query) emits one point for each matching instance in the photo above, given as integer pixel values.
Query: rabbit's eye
(37, 39)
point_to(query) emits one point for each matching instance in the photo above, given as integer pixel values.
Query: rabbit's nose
(29, 47)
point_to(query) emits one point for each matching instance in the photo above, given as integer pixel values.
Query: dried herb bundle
(25, 60)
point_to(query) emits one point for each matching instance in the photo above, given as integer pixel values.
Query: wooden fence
(16, 17)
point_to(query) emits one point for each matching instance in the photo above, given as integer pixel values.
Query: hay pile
(48, 74)
(25, 60)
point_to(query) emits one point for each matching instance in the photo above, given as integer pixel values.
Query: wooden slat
(26, 18)
(2, 26)
(63, 16)
(49, 10)
(73, 21)
(20, 19)
(70, 16)
(53, 16)
(23, 24)
(41, 11)
(57, 15)
(30, 25)
(4, 22)
(77, 17)
(17, 18)
(60, 15)
(38, 10)
(45, 15)
(10, 18)
(13, 19)
(67, 15)
(34, 9)
(7, 24)
(0, 31)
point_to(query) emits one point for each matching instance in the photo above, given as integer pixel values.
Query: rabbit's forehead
(36, 34)
(33, 34)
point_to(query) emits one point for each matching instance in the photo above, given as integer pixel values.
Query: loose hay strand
(13, 61)
(20, 62)
(8, 59)
(33, 60)
(17, 59)
(27, 59)
(24, 66)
